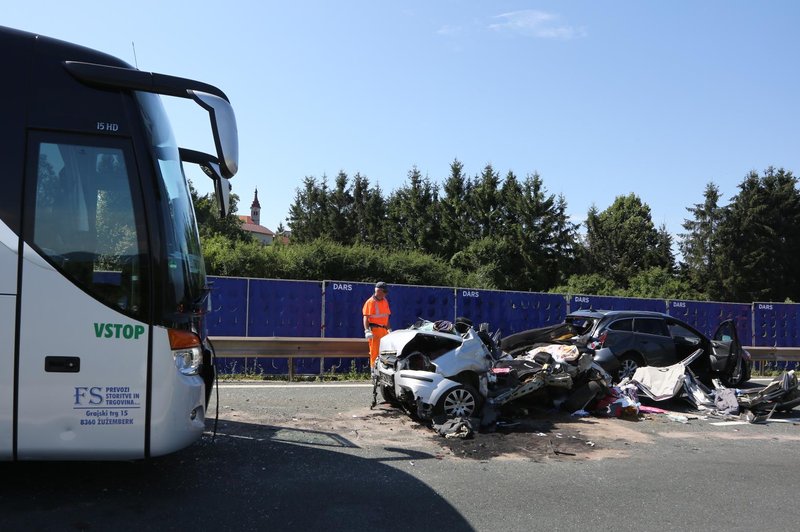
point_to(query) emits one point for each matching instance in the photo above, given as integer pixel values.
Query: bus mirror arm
(210, 98)
(210, 166)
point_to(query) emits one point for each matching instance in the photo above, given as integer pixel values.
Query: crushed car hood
(406, 341)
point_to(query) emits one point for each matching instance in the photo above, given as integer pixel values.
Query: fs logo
(88, 395)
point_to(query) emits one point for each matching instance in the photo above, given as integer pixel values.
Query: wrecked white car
(436, 368)
(441, 369)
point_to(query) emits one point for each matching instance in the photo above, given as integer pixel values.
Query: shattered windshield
(583, 325)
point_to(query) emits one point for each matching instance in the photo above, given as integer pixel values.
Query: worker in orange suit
(376, 314)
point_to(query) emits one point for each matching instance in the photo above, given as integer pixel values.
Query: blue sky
(600, 98)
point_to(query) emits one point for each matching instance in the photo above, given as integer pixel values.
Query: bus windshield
(186, 275)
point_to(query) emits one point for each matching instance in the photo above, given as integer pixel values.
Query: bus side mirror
(210, 166)
(223, 125)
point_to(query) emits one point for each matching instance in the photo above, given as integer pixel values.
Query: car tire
(746, 374)
(388, 395)
(729, 381)
(628, 364)
(461, 401)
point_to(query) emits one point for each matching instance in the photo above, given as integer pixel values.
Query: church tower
(255, 210)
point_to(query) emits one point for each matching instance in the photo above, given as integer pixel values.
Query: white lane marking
(730, 423)
(308, 385)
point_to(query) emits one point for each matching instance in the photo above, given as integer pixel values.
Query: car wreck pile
(458, 376)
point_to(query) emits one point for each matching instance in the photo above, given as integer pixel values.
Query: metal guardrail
(290, 348)
(301, 347)
(763, 355)
(771, 354)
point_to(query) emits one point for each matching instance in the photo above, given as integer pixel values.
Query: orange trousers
(375, 344)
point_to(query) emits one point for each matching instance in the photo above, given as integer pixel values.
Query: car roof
(591, 313)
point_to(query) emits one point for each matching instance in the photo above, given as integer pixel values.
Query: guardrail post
(247, 309)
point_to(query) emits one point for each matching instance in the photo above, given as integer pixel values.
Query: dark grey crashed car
(623, 340)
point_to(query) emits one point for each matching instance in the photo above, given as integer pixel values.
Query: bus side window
(86, 224)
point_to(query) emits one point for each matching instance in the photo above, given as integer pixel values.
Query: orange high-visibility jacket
(377, 312)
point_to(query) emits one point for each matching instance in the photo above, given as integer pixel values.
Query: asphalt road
(313, 457)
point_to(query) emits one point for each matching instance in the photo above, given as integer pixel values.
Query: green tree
(340, 226)
(483, 202)
(209, 221)
(589, 284)
(757, 240)
(530, 241)
(540, 232)
(622, 241)
(324, 259)
(412, 215)
(566, 246)
(368, 213)
(512, 216)
(697, 244)
(662, 252)
(484, 260)
(495, 258)
(457, 226)
(243, 258)
(660, 283)
(308, 214)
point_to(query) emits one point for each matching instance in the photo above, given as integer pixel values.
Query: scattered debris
(677, 417)
(461, 382)
(453, 427)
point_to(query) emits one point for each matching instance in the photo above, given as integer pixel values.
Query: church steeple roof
(256, 204)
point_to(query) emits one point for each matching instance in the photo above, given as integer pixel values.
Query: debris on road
(459, 380)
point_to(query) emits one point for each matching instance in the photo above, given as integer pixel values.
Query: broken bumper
(423, 386)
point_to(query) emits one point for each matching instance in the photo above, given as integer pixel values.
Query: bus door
(83, 349)
(9, 243)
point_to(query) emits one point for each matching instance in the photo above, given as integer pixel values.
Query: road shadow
(249, 477)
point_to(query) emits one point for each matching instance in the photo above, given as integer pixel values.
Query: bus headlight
(188, 360)
(186, 350)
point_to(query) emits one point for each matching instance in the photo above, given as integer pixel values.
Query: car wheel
(461, 401)
(628, 364)
(746, 373)
(737, 376)
(388, 395)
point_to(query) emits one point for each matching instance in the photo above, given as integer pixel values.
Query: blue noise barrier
(285, 308)
(510, 311)
(584, 302)
(268, 307)
(705, 316)
(776, 324)
(344, 302)
(228, 316)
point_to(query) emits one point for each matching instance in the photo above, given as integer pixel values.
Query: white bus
(103, 353)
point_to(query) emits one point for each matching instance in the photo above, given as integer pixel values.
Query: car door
(726, 351)
(653, 341)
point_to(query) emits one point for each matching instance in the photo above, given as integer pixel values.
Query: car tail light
(599, 342)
